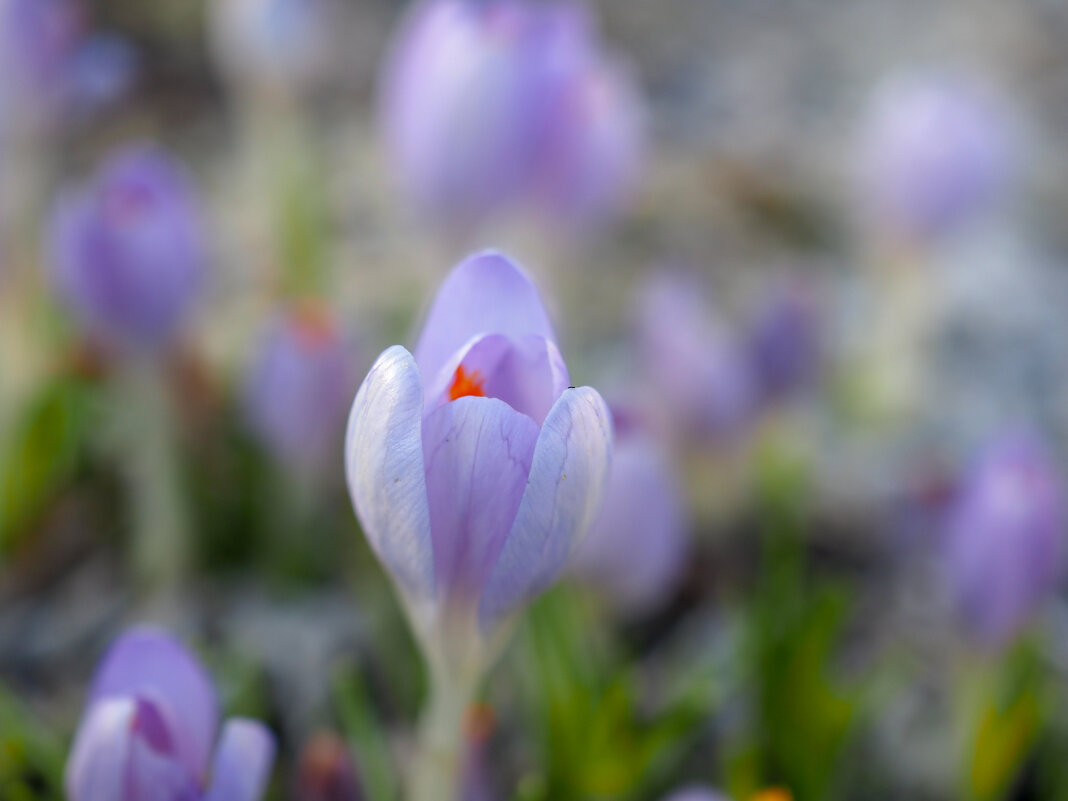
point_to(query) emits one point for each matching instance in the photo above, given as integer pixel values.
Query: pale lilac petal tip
(564, 491)
(384, 468)
(242, 763)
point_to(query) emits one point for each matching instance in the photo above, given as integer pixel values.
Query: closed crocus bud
(784, 341)
(696, 793)
(1005, 539)
(703, 377)
(149, 732)
(128, 250)
(326, 771)
(276, 45)
(638, 543)
(488, 106)
(300, 387)
(936, 152)
(473, 466)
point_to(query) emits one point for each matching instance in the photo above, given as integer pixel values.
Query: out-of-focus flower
(490, 106)
(784, 341)
(696, 793)
(38, 41)
(473, 466)
(936, 152)
(638, 543)
(103, 71)
(301, 385)
(149, 732)
(326, 771)
(1005, 538)
(703, 378)
(282, 46)
(128, 249)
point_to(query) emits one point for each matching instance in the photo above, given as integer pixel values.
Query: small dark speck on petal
(571, 387)
(563, 476)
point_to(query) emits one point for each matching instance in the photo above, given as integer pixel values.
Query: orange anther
(465, 384)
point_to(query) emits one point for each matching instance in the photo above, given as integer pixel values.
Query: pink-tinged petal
(478, 454)
(528, 374)
(486, 294)
(563, 495)
(242, 763)
(384, 467)
(121, 753)
(150, 664)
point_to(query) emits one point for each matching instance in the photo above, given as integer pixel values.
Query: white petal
(562, 497)
(384, 467)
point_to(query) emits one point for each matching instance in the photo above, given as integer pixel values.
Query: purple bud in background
(149, 732)
(699, 373)
(473, 466)
(38, 41)
(936, 152)
(103, 71)
(491, 106)
(326, 771)
(279, 45)
(784, 340)
(300, 387)
(637, 545)
(128, 250)
(695, 793)
(1005, 538)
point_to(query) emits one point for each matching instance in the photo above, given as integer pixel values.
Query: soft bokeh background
(806, 634)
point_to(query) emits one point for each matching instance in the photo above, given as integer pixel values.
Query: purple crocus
(638, 544)
(473, 466)
(695, 793)
(149, 732)
(300, 386)
(128, 249)
(38, 42)
(1005, 538)
(937, 150)
(784, 342)
(491, 106)
(705, 384)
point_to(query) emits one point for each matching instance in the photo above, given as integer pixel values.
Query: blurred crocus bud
(149, 732)
(103, 71)
(128, 250)
(638, 543)
(1005, 538)
(326, 771)
(38, 41)
(473, 466)
(936, 151)
(284, 46)
(301, 385)
(696, 793)
(701, 376)
(489, 106)
(784, 340)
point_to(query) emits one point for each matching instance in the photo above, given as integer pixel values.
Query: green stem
(435, 774)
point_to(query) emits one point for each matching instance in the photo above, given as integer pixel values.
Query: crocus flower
(1005, 538)
(638, 543)
(935, 153)
(490, 106)
(473, 466)
(784, 343)
(149, 732)
(705, 383)
(696, 793)
(128, 249)
(278, 45)
(300, 386)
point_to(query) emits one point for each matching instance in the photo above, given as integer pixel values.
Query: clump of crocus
(474, 468)
(638, 544)
(1005, 538)
(784, 340)
(282, 47)
(128, 250)
(492, 106)
(706, 387)
(149, 731)
(301, 385)
(326, 771)
(935, 153)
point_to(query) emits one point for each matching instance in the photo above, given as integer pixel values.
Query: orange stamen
(773, 794)
(465, 384)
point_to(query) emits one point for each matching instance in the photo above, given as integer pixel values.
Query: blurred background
(812, 253)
